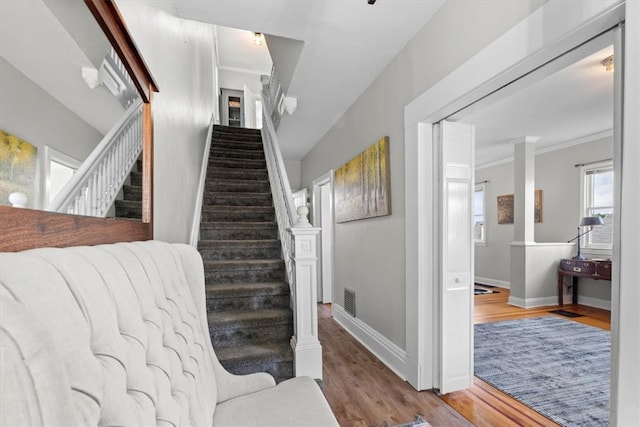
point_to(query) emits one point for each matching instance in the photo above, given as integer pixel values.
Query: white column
(523, 216)
(524, 176)
(305, 344)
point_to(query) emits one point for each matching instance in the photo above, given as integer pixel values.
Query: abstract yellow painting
(363, 185)
(17, 167)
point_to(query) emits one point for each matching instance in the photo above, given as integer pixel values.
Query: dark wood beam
(22, 229)
(110, 20)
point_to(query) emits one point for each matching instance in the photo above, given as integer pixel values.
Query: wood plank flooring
(364, 392)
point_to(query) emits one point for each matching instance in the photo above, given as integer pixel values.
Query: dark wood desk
(576, 268)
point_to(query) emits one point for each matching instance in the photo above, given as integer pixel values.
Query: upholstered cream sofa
(116, 335)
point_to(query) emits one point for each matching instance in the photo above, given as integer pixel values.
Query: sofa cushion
(297, 402)
(125, 324)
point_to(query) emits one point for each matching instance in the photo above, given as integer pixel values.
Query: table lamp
(587, 221)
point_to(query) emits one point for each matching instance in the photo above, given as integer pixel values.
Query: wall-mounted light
(257, 39)
(608, 63)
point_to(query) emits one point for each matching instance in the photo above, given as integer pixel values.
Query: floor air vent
(350, 302)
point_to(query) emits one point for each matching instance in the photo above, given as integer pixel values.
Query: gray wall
(559, 181)
(180, 55)
(369, 254)
(29, 112)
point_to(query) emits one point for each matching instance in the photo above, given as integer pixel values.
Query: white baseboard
(595, 302)
(390, 354)
(533, 302)
(492, 282)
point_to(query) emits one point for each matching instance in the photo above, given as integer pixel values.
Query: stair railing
(197, 212)
(280, 188)
(299, 249)
(93, 188)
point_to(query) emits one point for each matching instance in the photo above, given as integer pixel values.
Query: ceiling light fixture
(608, 63)
(371, 1)
(257, 39)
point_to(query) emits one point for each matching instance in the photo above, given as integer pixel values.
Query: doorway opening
(323, 216)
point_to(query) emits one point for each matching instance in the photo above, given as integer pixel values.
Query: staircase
(248, 300)
(131, 205)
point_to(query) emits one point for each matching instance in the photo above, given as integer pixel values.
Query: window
(59, 168)
(598, 201)
(479, 228)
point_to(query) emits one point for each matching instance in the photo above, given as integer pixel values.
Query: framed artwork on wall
(17, 168)
(505, 208)
(363, 184)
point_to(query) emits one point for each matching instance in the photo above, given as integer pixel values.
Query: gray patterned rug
(555, 366)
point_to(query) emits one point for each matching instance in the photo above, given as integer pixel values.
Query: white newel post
(305, 344)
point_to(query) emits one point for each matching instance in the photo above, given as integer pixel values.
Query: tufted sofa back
(124, 331)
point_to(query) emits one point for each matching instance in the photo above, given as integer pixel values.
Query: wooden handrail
(110, 20)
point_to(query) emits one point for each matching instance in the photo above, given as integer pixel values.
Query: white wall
(180, 55)
(236, 80)
(559, 180)
(369, 254)
(30, 113)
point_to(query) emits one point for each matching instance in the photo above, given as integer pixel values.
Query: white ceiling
(347, 44)
(237, 52)
(572, 105)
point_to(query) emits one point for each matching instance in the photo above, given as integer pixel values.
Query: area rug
(417, 422)
(558, 367)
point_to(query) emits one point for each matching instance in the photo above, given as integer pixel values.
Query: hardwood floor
(362, 391)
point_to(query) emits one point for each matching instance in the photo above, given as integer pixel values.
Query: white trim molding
(550, 31)
(389, 353)
(492, 282)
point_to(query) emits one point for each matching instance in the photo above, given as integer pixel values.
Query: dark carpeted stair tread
(217, 225)
(262, 351)
(205, 244)
(249, 264)
(243, 186)
(136, 178)
(240, 249)
(227, 173)
(218, 152)
(237, 163)
(237, 213)
(237, 145)
(224, 198)
(132, 192)
(224, 290)
(249, 318)
(130, 209)
(247, 296)
(276, 359)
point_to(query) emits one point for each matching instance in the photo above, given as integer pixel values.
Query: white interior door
(456, 161)
(249, 108)
(327, 243)
(323, 217)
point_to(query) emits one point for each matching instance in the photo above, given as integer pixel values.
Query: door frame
(530, 44)
(317, 200)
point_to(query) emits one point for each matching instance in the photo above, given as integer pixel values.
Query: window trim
(483, 188)
(597, 250)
